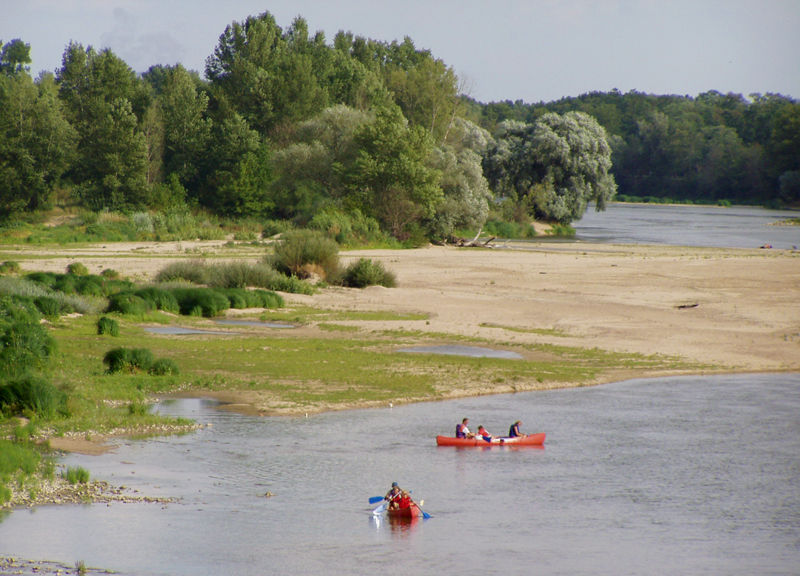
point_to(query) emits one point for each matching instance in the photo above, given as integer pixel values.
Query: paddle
(380, 509)
(425, 515)
(376, 499)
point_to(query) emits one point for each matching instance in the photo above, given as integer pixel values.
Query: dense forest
(286, 126)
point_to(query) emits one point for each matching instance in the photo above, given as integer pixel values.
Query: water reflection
(180, 331)
(229, 322)
(471, 351)
(397, 527)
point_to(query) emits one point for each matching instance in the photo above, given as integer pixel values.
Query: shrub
(200, 301)
(77, 269)
(365, 272)
(90, 286)
(272, 227)
(33, 394)
(110, 274)
(301, 252)
(10, 267)
(106, 325)
(48, 306)
(24, 343)
(76, 475)
(137, 409)
(128, 303)
(159, 299)
(194, 271)
(46, 279)
(128, 360)
(66, 283)
(164, 367)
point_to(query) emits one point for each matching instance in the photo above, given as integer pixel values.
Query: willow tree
(552, 168)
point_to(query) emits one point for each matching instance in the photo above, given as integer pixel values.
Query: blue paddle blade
(375, 499)
(425, 515)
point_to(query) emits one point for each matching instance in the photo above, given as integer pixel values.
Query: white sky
(534, 50)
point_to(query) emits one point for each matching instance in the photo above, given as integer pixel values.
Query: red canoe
(530, 440)
(412, 511)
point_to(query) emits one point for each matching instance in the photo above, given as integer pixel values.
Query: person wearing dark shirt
(514, 432)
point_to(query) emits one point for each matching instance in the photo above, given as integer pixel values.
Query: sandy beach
(724, 309)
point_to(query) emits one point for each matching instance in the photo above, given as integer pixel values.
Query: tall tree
(391, 177)
(186, 127)
(554, 167)
(104, 101)
(14, 56)
(36, 142)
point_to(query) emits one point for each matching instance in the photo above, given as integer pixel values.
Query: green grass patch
(541, 331)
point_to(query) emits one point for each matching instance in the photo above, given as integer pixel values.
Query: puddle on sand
(472, 351)
(253, 323)
(178, 331)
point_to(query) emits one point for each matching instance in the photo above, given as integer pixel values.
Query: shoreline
(711, 310)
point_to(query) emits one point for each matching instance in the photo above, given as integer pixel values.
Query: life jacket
(512, 432)
(460, 431)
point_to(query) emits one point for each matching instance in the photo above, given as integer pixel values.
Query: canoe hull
(412, 511)
(530, 440)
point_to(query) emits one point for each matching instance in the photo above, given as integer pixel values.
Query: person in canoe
(484, 433)
(462, 431)
(397, 497)
(514, 432)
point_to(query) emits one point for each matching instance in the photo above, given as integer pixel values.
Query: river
(692, 475)
(688, 475)
(678, 225)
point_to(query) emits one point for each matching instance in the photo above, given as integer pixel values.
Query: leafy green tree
(554, 167)
(266, 75)
(14, 56)
(36, 142)
(390, 177)
(104, 101)
(309, 171)
(112, 171)
(186, 127)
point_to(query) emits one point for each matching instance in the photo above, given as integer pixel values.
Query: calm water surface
(708, 226)
(665, 476)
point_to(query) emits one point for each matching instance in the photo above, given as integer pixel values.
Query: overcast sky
(533, 50)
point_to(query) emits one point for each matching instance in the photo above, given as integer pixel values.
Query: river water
(706, 226)
(689, 475)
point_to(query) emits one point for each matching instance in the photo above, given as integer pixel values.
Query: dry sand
(731, 309)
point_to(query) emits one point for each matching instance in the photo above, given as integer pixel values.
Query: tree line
(708, 148)
(285, 125)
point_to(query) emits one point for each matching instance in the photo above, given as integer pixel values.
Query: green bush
(76, 475)
(365, 272)
(200, 301)
(48, 306)
(164, 367)
(106, 325)
(66, 283)
(128, 303)
(110, 274)
(159, 299)
(303, 252)
(128, 360)
(32, 394)
(194, 271)
(46, 279)
(10, 267)
(77, 269)
(24, 342)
